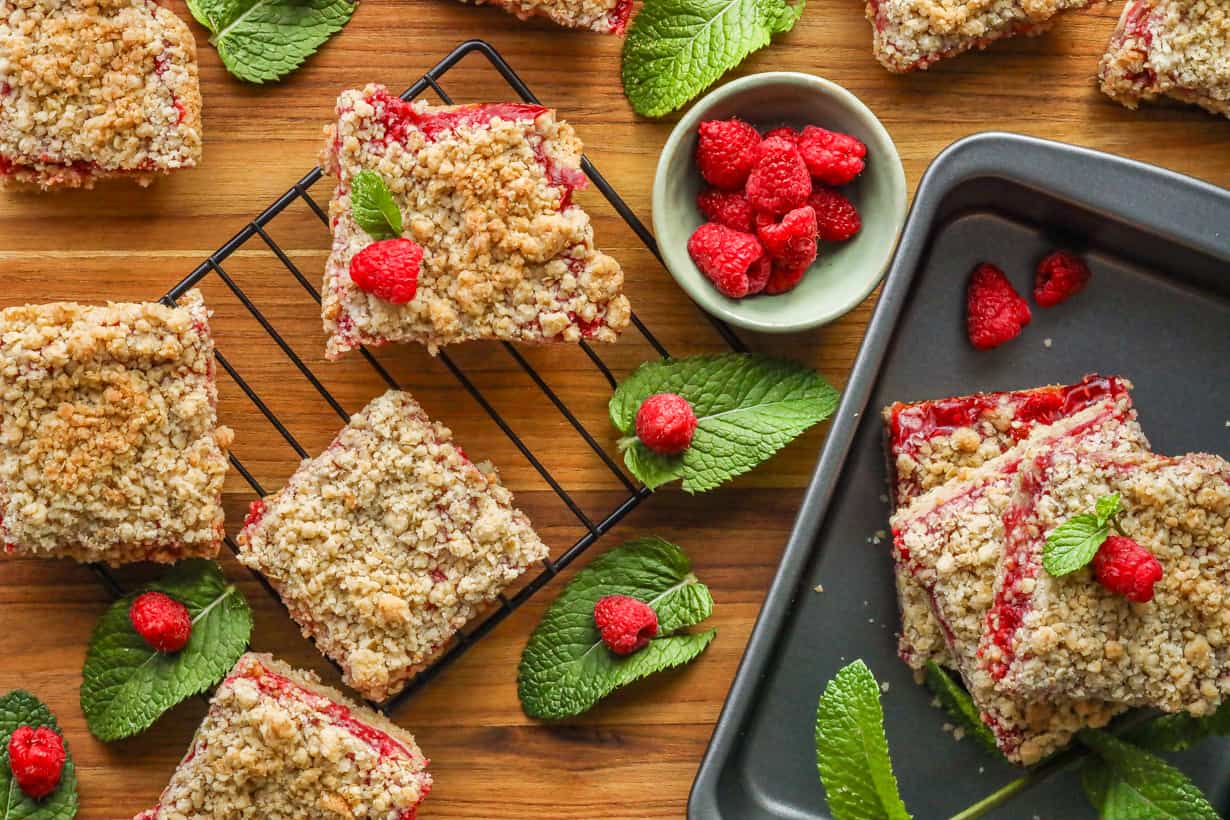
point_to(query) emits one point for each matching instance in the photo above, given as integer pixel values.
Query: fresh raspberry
(995, 312)
(758, 274)
(792, 242)
(161, 620)
(388, 270)
(784, 133)
(36, 757)
(728, 208)
(1126, 568)
(779, 182)
(784, 278)
(726, 152)
(626, 624)
(836, 217)
(832, 157)
(1060, 275)
(725, 257)
(665, 423)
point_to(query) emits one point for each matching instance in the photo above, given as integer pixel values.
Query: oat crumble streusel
(486, 190)
(389, 542)
(277, 744)
(91, 89)
(604, 16)
(109, 444)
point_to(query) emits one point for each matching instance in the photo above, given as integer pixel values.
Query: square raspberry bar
(1173, 48)
(604, 16)
(92, 89)
(913, 34)
(110, 448)
(950, 540)
(1047, 634)
(276, 743)
(387, 543)
(932, 442)
(486, 190)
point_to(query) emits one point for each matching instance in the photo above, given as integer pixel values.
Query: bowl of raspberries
(778, 201)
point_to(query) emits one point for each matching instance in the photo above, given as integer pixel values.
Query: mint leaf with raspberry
(852, 751)
(127, 685)
(19, 708)
(676, 49)
(957, 702)
(1125, 782)
(1073, 543)
(747, 407)
(373, 206)
(264, 40)
(566, 668)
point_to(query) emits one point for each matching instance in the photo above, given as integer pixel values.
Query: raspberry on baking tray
(995, 312)
(1060, 275)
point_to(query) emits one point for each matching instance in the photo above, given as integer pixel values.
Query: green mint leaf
(1107, 508)
(747, 408)
(676, 49)
(1073, 544)
(20, 708)
(1128, 783)
(566, 668)
(852, 751)
(264, 40)
(127, 685)
(957, 702)
(373, 206)
(1174, 733)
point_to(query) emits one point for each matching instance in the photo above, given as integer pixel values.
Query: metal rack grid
(256, 230)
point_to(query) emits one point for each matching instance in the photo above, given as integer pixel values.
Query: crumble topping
(1046, 634)
(487, 191)
(95, 88)
(276, 743)
(388, 543)
(109, 444)
(1170, 48)
(606, 16)
(913, 34)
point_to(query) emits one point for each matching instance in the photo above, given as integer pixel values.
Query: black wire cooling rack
(255, 231)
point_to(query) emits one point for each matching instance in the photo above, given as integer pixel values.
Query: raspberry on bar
(93, 89)
(1170, 48)
(931, 442)
(949, 541)
(603, 16)
(913, 34)
(387, 543)
(278, 743)
(110, 448)
(486, 190)
(1070, 634)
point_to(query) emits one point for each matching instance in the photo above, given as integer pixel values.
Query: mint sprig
(852, 751)
(1179, 731)
(127, 685)
(747, 408)
(566, 668)
(373, 206)
(1126, 782)
(957, 702)
(675, 49)
(1073, 543)
(20, 708)
(264, 40)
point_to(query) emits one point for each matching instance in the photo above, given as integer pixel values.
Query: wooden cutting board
(635, 755)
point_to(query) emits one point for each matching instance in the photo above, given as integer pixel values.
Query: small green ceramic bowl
(844, 273)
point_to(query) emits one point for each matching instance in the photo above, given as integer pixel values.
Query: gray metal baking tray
(1158, 312)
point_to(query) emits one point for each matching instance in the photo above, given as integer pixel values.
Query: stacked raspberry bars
(603, 16)
(979, 481)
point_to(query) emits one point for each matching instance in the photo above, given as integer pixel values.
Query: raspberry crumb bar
(276, 743)
(388, 543)
(604, 16)
(1173, 48)
(91, 89)
(486, 190)
(109, 444)
(931, 442)
(913, 34)
(1047, 634)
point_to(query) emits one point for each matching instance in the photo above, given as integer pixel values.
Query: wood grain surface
(635, 755)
